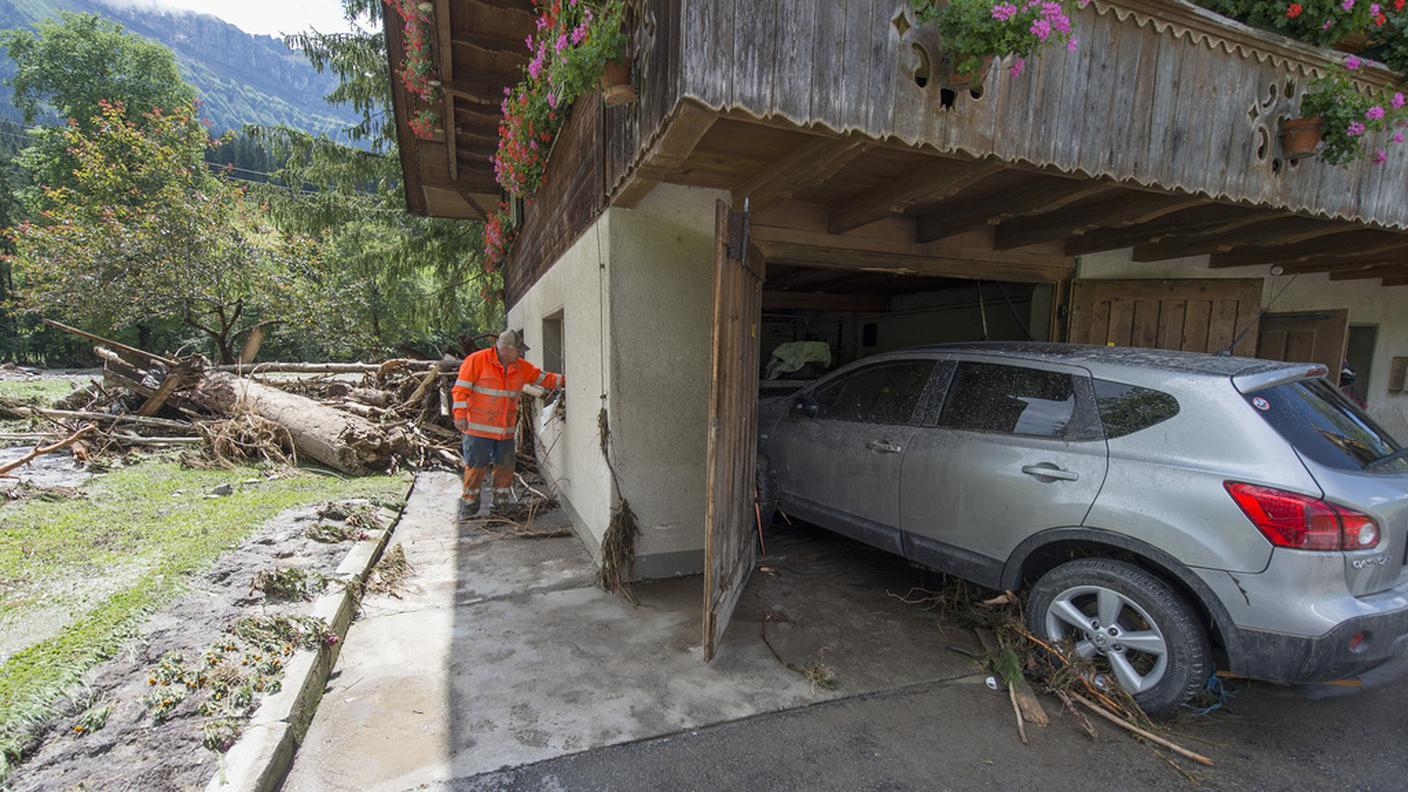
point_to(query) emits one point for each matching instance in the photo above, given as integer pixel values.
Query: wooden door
(1306, 337)
(730, 549)
(1194, 315)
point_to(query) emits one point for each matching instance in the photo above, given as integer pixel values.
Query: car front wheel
(1128, 621)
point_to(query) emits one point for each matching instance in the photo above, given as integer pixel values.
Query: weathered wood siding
(572, 196)
(630, 128)
(1158, 93)
(595, 150)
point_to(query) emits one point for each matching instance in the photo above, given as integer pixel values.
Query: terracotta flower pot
(1300, 137)
(616, 87)
(1353, 43)
(959, 80)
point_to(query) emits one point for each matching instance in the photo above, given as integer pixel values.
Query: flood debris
(354, 418)
(1021, 662)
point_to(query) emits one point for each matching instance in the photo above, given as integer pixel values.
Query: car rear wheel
(1131, 623)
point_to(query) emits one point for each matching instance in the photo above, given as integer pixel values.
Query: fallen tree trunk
(324, 434)
(122, 418)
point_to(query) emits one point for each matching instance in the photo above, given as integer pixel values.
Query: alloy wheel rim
(1103, 622)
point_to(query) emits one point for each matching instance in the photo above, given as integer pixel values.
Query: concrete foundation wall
(1369, 303)
(662, 311)
(578, 287)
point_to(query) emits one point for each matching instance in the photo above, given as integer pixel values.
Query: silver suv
(1170, 512)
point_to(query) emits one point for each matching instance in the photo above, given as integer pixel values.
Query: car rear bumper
(1292, 659)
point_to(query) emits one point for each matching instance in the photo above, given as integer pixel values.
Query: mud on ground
(132, 751)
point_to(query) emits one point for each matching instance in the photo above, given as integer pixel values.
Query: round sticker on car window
(1260, 403)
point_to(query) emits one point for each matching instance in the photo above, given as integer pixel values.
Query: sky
(270, 17)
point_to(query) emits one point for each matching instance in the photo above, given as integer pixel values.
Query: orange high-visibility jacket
(487, 392)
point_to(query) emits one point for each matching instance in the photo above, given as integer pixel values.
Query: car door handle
(883, 446)
(1047, 470)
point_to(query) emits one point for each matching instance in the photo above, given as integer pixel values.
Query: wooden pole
(108, 342)
(1150, 736)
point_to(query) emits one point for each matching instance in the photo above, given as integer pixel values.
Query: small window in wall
(552, 344)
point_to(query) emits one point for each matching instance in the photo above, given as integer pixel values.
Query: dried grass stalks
(248, 438)
(390, 573)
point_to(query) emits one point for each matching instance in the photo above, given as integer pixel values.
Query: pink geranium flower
(1017, 66)
(1352, 62)
(1374, 113)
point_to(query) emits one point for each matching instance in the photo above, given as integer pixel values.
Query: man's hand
(462, 424)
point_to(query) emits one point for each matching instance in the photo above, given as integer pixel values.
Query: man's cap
(513, 338)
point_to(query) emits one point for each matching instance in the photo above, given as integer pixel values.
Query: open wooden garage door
(730, 549)
(1202, 315)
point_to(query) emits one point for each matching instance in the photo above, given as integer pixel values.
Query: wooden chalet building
(1130, 192)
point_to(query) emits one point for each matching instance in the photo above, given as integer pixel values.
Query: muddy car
(1167, 514)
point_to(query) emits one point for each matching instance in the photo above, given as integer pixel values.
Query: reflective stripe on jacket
(486, 393)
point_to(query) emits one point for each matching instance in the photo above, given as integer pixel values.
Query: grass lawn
(153, 519)
(43, 391)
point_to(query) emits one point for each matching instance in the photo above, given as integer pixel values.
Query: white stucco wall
(662, 303)
(577, 286)
(643, 323)
(1368, 301)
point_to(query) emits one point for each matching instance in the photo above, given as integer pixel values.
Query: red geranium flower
(1294, 9)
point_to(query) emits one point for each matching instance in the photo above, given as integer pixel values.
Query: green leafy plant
(571, 46)
(1350, 117)
(976, 30)
(92, 719)
(1319, 22)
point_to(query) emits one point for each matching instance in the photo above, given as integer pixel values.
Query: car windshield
(1326, 427)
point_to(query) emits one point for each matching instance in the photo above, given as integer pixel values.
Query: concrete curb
(258, 761)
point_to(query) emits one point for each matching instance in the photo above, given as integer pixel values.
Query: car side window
(885, 393)
(1126, 409)
(990, 397)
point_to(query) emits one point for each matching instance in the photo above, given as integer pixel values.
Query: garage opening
(816, 320)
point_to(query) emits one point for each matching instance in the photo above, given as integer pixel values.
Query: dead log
(86, 415)
(38, 452)
(133, 355)
(371, 396)
(324, 434)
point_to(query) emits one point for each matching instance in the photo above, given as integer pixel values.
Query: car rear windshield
(1325, 426)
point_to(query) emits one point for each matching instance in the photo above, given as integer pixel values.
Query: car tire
(1148, 611)
(767, 491)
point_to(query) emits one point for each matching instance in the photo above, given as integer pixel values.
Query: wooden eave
(479, 50)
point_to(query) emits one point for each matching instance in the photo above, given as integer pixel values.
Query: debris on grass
(245, 663)
(334, 533)
(92, 719)
(288, 583)
(219, 734)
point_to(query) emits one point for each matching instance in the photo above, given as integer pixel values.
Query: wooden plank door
(730, 549)
(1306, 337)
(1193, 315)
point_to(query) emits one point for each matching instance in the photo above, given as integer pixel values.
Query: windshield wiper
(1387, 458)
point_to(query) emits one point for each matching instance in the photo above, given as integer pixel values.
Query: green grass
(43, 391)
(153, 517)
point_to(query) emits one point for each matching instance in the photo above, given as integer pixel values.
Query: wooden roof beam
(1273, 231)
(802, 301)
(1351, 242)
(936, 181)
(491, 44)
(1396, 281)
(1037, 195)
(445, 54)
(1333, 263)
(670, 153)
(1210, 218)
(811, 163)
(1381, 271)
(1122, 208)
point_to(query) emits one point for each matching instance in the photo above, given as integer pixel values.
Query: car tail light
(1300, 522)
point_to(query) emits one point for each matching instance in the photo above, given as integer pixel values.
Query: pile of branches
(355, 418)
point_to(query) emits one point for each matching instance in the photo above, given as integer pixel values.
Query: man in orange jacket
(486, 396)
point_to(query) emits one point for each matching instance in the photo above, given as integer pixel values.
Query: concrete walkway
(502, 652)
